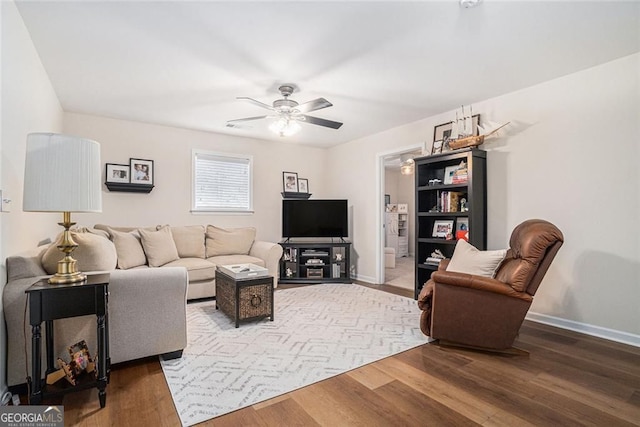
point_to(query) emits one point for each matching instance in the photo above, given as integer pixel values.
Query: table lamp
(62, 174)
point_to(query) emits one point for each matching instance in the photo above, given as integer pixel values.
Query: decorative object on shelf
(442, 228)
(473, 141)
(290, 182)
(338, 257)
(303, 185)
(288, 272)
(435, 181)
(117, 173)
(80, 362)
(435, 258)
(463, 126)
(462, 229)
(141, 171)
(436, 148)
(464, 206)
(62, 174)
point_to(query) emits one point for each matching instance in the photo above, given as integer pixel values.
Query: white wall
(29, 104)
(570, 157)
(170, 149)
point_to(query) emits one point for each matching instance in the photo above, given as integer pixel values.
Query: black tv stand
(315, 261)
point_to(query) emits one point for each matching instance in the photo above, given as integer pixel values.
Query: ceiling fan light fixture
(285, 126)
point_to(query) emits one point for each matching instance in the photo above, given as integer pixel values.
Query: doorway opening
(396, 234)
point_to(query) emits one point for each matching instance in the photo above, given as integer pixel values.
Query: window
(222, 182)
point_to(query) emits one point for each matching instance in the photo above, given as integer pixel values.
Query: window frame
(220, 210)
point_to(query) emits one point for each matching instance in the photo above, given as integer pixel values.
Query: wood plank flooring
(569, 379)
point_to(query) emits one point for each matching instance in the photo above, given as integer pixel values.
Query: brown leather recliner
(487, 312)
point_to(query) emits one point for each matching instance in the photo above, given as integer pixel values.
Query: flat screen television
(314, 218)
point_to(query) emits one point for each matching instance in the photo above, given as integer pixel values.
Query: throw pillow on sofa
(189, 241)
(128, 248)
(159, 246)
(94, 253)
(468, 259)
(232, 241)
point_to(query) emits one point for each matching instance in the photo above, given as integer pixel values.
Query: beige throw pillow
(232, 241)
(159, 246)
(189, 241)
(94, 253)
(467, 259)
(129, 249)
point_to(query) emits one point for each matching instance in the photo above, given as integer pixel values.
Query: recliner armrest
(481, 283)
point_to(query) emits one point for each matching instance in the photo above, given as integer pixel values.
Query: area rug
(319, 331)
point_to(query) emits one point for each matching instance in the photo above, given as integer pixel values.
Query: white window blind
(222, 182)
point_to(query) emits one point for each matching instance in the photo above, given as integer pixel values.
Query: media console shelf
(315, 261)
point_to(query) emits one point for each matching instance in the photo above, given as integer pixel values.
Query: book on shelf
(450, 201)
(432, 260)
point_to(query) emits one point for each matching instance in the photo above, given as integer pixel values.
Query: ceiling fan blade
(316, 104)
(322, 122)
(253, 101)
(247, 119)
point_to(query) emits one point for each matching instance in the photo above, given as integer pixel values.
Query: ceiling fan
(289, 114)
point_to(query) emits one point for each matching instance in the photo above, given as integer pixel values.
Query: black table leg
(102, 362)
(36, 383)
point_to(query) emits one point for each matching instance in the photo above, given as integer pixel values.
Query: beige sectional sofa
(197, 248)
(147, 305)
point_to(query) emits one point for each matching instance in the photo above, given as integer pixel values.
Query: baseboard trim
(585, 328)
(366, 279)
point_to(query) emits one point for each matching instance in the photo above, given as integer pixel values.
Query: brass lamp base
(67, 269)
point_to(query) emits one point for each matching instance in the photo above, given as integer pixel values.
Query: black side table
(50, 302)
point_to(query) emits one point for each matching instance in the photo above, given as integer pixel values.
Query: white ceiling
(382, 64)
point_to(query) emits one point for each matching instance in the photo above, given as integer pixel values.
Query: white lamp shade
(62, 174)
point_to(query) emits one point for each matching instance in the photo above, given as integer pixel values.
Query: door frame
(380, 177)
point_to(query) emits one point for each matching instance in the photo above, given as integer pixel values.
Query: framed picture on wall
(117, 173)
(141, 171)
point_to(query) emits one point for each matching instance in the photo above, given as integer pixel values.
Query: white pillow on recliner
(468, 259)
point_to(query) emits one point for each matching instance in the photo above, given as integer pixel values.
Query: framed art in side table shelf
(443, 229)
(290, 182)
(141, 171)
(117, 173)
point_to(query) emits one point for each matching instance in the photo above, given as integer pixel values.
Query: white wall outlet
(5, 206)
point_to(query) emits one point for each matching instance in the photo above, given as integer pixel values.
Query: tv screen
(314, 218)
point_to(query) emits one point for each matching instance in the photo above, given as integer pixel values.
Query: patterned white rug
(319, 331)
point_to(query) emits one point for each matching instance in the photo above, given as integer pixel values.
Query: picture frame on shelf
(303, 185)
(290, 182)
(436, 148)
(443, 228)
(117, 173)
(449, 171)
(141, 171)
(462, 229)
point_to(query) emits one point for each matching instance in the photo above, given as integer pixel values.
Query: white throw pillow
(467, 259)
(159, 246)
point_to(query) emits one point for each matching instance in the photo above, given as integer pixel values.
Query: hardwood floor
(569, 379)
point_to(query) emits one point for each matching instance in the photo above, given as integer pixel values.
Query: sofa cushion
(128, 248)
(236, 259)
(159, 246)
(232, 241)
(94, 253)
(189, 241)
(198, 269)
(467, 259)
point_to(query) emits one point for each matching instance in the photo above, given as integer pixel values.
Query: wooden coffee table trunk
(244, 299)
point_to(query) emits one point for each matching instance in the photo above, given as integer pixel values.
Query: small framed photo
(141, 171)
(290, 182)
(303, 185)
(436, 148)
(462, 224)
(443, 229)
(117, 173)
(449, 171)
